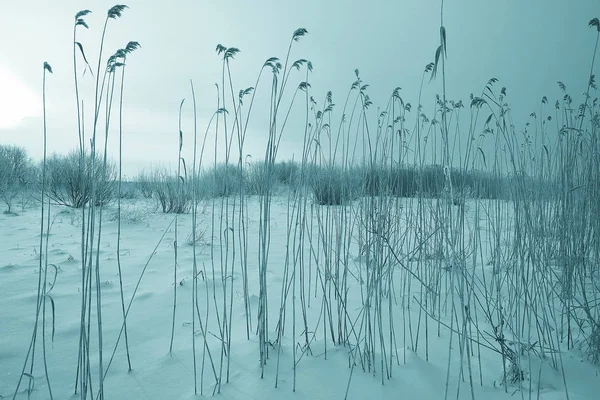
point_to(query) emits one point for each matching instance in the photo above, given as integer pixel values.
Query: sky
(528, 45)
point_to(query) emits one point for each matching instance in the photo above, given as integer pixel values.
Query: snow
(157, 374)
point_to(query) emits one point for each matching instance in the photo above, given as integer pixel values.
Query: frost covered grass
(358, 269)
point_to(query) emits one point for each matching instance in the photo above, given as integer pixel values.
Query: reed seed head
(220, 49)
(299, 63)
(116, 11)
(121, 53)
(81, 22)
(230, 53)
(298, 33)
(304, 86)
(81, 13)
(131, 47)
(271, 62)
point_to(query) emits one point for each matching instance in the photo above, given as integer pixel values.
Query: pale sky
(528, 45)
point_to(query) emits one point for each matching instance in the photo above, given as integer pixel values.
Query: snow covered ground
(325, 372)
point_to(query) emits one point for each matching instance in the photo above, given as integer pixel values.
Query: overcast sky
(528, 45)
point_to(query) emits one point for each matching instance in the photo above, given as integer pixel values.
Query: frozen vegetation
(360, 269)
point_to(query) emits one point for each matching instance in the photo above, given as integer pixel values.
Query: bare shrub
(257, 178)
(70, 184)
(129, 190)
(144, 184)
(226, 180)
(17, 174)
(169, 197)
(334, 186)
